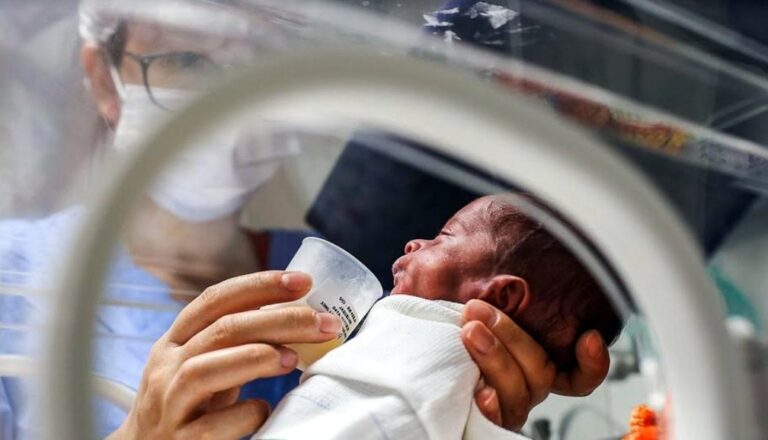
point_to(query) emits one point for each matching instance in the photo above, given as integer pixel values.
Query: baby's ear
(508, 293)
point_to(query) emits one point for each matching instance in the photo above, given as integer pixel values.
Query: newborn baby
(407, 375)
(490, 251)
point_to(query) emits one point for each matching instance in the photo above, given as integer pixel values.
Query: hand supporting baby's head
(489, 250)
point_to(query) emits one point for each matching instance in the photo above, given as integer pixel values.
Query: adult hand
(517, 372)
(219, 342)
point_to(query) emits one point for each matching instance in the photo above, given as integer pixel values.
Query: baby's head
(491, 251)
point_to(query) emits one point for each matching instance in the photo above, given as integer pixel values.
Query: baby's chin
(404, 286)
(402, 289)
(401, 283)
(398, 290)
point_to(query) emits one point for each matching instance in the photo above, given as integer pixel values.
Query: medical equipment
(18, 366)
(341, 285)
(707, 358)
(453, 102)
(213, 179)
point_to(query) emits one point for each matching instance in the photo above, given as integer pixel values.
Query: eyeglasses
(174, 70)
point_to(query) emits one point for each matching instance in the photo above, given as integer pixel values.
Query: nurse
(185, 236)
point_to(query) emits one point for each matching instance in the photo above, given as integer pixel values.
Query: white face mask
(208, 181)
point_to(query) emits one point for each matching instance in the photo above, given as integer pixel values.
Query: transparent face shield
(311, 160)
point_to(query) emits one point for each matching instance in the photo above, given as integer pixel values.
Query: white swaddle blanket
(406, 375)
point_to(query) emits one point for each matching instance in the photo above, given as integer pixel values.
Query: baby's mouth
(397, 271)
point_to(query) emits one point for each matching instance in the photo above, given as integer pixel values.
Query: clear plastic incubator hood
(152, 149)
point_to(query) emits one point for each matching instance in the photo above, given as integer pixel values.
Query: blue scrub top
(124, 334)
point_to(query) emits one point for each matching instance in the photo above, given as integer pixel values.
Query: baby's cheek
(438, 284)
(431, 275)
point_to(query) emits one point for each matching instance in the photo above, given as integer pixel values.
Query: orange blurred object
(642, 417)
(643, 424)
(643, 434)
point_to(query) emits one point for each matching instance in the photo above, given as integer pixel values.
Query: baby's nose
(413, 246)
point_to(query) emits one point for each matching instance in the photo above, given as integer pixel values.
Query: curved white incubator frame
(505, 135)
(12, 365)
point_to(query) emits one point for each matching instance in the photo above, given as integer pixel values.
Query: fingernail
(594, 345)
(295, 281)
(488, 396)
(480, 311)
(288, 357)
(328, 323)
(481, 340)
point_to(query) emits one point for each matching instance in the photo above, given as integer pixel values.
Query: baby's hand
(518, 373)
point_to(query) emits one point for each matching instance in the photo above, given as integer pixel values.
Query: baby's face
(452, 265)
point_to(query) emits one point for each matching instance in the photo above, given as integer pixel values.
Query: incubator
(151, 149)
